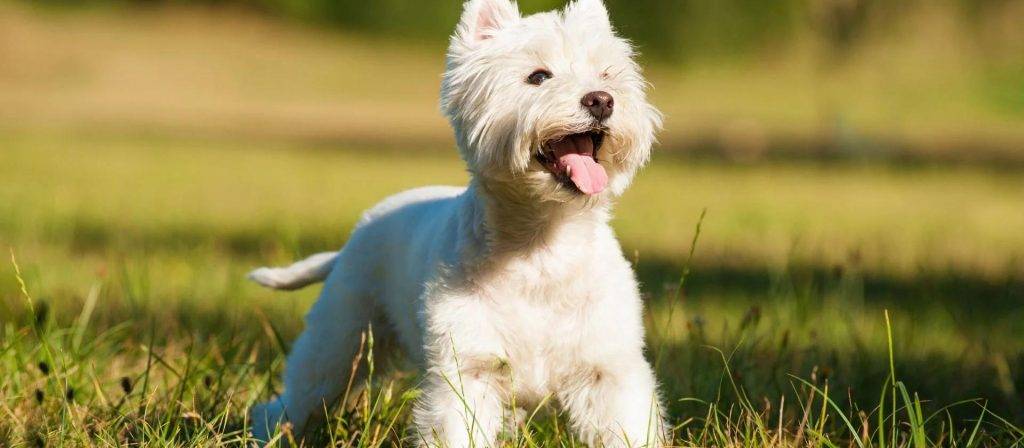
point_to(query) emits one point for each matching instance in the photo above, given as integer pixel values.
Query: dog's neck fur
(511, 222)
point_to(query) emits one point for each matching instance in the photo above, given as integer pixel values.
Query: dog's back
(316, 268)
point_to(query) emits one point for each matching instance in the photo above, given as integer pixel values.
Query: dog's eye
(538, 77)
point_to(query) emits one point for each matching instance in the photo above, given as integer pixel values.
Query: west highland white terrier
(514, 289)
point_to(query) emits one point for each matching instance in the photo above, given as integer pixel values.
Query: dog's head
(552, 105)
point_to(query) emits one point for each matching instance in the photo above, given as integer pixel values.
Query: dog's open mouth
(573, 160)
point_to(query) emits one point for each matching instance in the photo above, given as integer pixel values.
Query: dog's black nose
(599, 104)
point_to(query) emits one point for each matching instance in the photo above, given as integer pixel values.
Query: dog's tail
(299, 274)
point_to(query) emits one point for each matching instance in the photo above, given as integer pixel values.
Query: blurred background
(853, 156)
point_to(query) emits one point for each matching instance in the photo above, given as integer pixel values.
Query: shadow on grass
(971, 300)
(767, 364)
(965, 294)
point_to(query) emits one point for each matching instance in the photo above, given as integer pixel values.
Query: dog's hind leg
(297, 275)
(320, 363)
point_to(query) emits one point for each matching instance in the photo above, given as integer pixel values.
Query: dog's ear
(481, 19)
(592, 13)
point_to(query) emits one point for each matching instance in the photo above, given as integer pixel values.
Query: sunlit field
(798, 302)
(134, 253)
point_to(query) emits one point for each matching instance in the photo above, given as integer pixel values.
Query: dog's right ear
(482, 19)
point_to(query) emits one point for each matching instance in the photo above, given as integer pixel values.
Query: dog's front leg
(466, 382)
(461, 407)
(615, 405)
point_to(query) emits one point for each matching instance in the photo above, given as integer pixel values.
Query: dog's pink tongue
(576, 155)
(588, 175)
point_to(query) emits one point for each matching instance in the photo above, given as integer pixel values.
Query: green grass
(133, 251)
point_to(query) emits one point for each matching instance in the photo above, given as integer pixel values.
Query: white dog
(514, 289)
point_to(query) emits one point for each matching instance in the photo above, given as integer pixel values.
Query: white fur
(514, 289)
(301, 273)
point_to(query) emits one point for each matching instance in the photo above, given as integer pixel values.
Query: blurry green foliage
(666, 29)
(671, 29)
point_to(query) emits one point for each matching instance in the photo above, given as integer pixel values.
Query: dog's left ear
(481, 19)
(590, 12)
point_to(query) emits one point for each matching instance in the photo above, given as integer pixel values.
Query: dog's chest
(538, 342)
(542, 316)
(548, 283)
